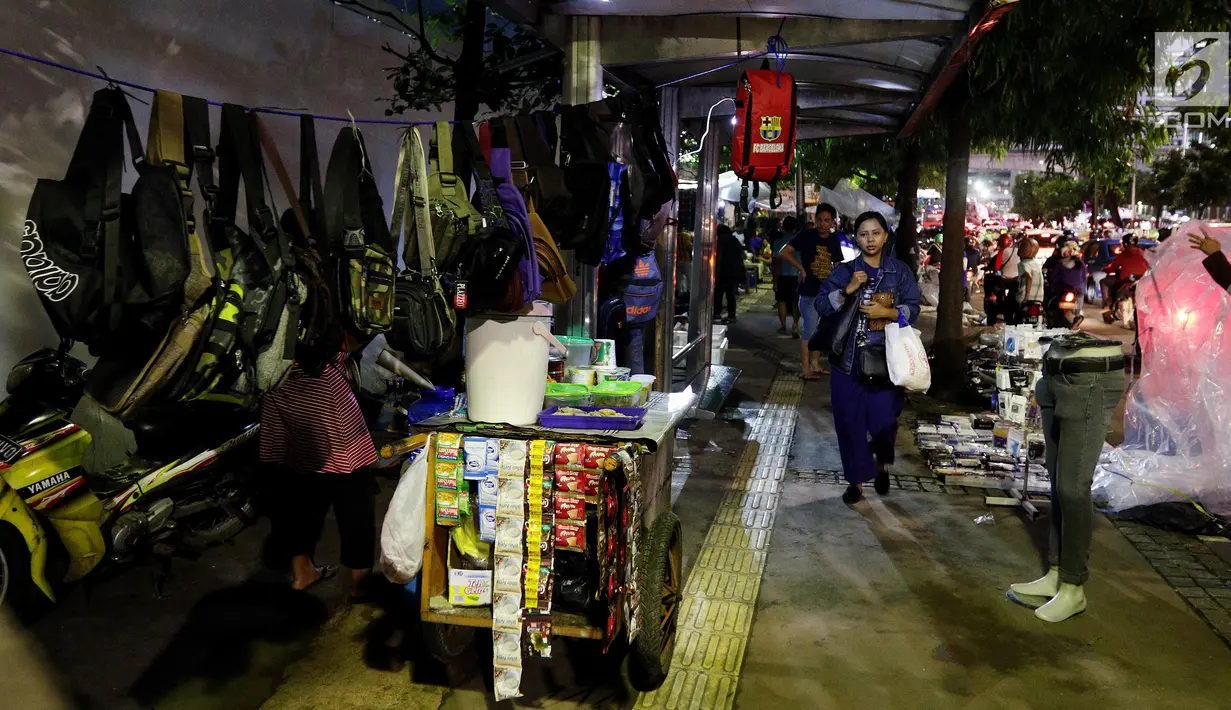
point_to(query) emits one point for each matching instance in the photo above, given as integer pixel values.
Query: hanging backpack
(481, 276)
(423, 318)
(176, 273)
(764, 141)
(585, 226)
(255, 347)
(454, 220)
(319, 333)
(528, 278)
(558, 286)
(113, 270)
(360, 255)
(643, 289)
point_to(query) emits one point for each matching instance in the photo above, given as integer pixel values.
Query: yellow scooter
(185, 487)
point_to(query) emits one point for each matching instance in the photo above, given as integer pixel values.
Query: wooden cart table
(449, 629)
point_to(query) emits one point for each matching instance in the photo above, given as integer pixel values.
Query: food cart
(637, 600)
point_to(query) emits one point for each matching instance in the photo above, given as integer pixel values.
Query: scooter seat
(172, 431)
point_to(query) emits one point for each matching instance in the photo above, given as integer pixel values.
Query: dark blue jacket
(895, 276)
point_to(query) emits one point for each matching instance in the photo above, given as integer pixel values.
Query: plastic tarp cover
(1177, 422)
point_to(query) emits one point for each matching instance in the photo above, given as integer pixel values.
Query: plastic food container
(566, 395)
(580, 350)
(616, 394)
(612, 374)
(647, 385)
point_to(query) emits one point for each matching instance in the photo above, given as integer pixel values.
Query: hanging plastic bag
(402, 536)
(908, 361)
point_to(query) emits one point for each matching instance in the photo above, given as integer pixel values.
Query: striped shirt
(314, 424)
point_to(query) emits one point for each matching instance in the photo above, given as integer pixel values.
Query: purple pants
(865, 418)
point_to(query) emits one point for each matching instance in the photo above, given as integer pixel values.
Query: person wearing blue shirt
(866, 410)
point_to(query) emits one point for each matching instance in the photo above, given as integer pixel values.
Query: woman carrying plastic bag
(401, 538)
(908, 361)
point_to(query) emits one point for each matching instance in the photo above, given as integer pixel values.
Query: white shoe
(1068, 602)
(1045, 586)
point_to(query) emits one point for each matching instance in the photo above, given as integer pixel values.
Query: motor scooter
(1063, 310)
(186, 487)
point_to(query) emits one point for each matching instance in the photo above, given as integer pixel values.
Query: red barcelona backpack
(764, 142)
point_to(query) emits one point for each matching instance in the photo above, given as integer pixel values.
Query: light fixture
(733, 118)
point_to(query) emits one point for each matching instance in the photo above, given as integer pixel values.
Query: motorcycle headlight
(17, 376)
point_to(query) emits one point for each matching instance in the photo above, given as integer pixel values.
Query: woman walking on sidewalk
(866, 405)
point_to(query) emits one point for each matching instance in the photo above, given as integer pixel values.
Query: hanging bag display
(454, 220)
(177, 273)
(558, 286)
(586, 226)
(764, 140)
(505, 149)
(318, 335)
(361, 249)
(423, 318)
(487, 263)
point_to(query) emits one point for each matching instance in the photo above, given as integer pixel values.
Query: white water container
(506, 365)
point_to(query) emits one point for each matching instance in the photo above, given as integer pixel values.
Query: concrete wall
(296, 54)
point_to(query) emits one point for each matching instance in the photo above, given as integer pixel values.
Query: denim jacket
(895, 276)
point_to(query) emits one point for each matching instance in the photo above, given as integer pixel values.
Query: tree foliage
(1192, 180)
(466, 55)
(1049, 196)
(872, 162)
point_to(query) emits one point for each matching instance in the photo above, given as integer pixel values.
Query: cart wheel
(649, 659)
(447, 642)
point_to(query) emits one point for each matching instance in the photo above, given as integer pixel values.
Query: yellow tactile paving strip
(720, 594)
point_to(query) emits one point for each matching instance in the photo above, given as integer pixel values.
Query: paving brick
(1204, 603)
(1221, 592)
(1191, 592)
(1180, 581)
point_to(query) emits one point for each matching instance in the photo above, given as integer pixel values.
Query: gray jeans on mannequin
(1076, 410)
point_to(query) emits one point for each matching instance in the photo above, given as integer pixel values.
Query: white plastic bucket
(506, 366)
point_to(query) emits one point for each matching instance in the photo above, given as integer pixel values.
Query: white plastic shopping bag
(908, 361)
(401, 538)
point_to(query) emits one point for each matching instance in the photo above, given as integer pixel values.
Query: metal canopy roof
(862, 66)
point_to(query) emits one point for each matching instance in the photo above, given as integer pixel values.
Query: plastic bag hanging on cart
(404, 530)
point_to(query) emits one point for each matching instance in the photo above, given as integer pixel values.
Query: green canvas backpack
(454, 220)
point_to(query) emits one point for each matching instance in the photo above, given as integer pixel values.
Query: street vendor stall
(575, 531)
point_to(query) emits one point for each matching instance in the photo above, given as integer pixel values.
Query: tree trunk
(907, 197)
(469, 69)
(1112, 202)
(948, 376)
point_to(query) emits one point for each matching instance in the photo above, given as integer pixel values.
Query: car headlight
(18, 375)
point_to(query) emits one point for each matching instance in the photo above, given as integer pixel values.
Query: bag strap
(284, 177)
(109, 122)
(410, 185)
(536, 151)
(311, 190)
(504, 135)
(442, 142)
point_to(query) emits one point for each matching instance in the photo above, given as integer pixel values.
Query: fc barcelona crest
(771, 127)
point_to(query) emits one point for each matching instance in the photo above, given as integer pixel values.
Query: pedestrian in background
(786, 280)
(865, 405)
(730, 273)
(813, 252)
